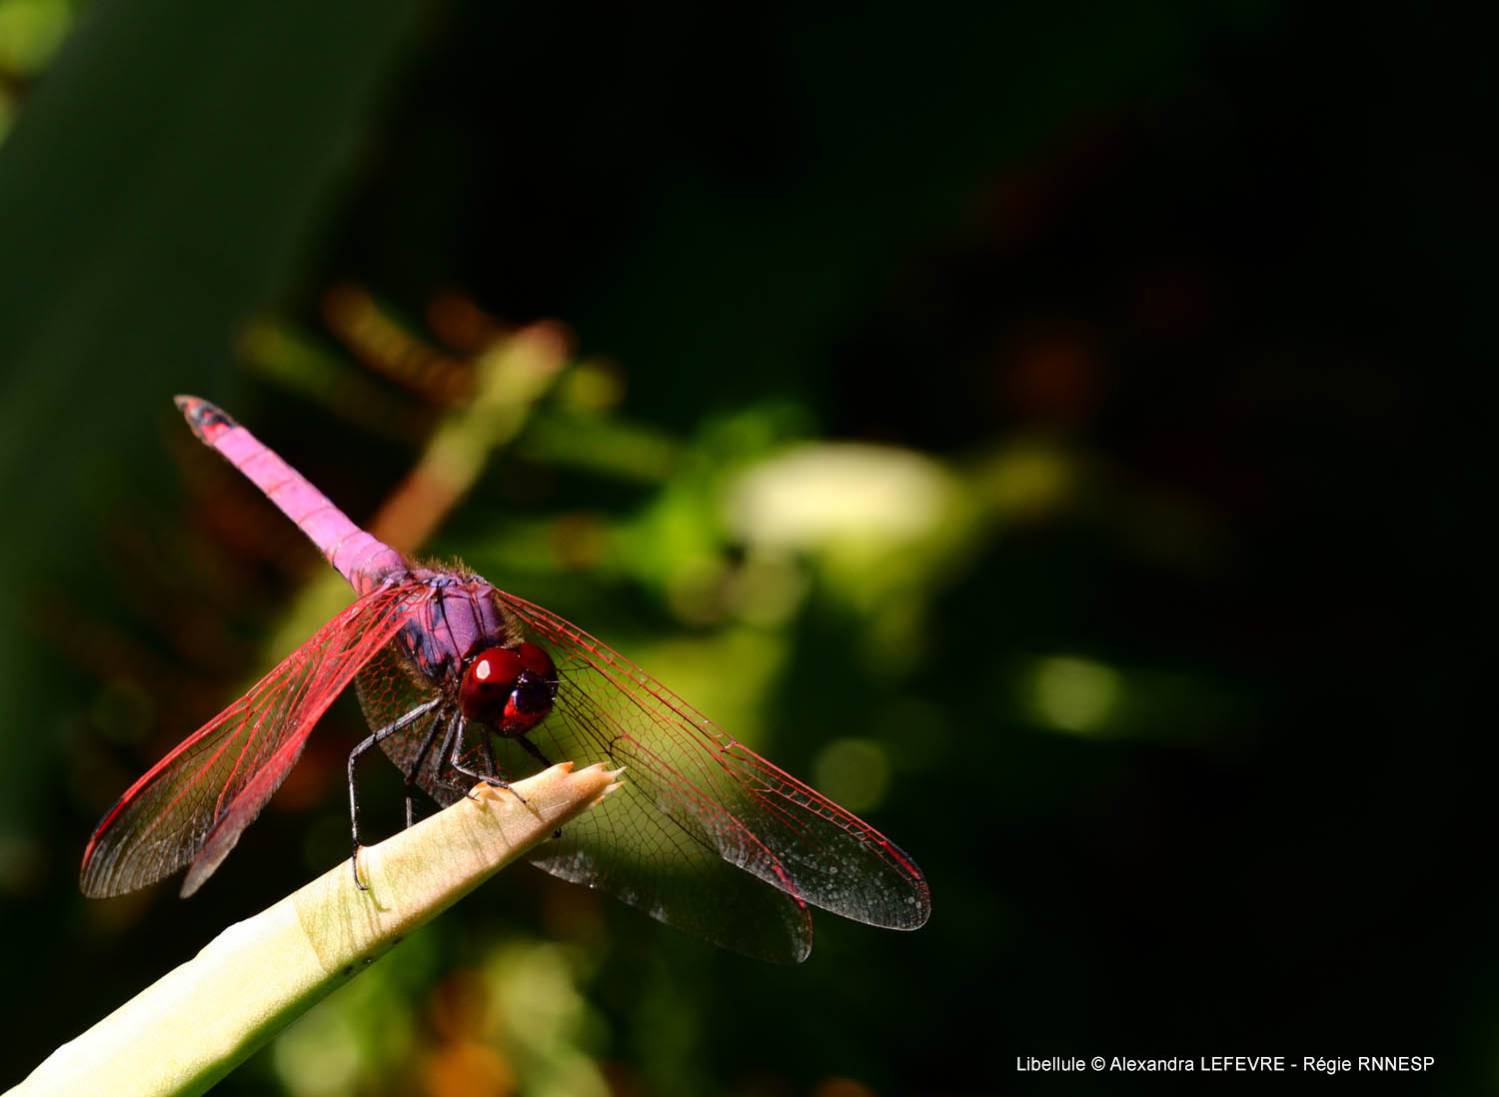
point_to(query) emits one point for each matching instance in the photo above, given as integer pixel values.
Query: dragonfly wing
(687, 884)
(660, 847)
(389, 687)
(195, 802)
(748, 811)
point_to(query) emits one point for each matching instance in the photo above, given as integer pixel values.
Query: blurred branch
(298, 363)
(510, 378)
(387, 348)
(193, 1026)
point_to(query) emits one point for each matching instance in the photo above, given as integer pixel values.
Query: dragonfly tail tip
(206, 420)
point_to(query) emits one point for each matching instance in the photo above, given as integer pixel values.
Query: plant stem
(194, 1025)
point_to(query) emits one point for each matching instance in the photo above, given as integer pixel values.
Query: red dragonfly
(462, 682)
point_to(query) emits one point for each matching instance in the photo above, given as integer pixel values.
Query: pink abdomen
(360, 558)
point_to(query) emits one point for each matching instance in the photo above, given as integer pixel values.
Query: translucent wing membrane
(389, 687)
(193, 804)
(694, 795)
(668, 863)
(663, 847)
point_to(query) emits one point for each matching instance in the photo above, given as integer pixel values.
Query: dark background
(1182, 302)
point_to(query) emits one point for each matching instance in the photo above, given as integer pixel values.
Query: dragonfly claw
(496, 782)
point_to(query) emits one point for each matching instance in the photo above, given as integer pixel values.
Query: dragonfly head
(511, 689)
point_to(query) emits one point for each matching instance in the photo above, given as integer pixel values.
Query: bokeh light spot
(1075, 694)
(317, 1056)
(31, 31)
(593, 387)
(813, 494)
(469, 1069)
(854, 772)
(768, 590)
(1029, 480)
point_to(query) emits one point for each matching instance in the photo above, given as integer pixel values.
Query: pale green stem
(191, 1027)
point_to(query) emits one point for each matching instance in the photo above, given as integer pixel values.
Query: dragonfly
(464, 683)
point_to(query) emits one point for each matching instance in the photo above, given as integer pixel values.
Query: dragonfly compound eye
(488, 683)
(534, 692)
(537, 662)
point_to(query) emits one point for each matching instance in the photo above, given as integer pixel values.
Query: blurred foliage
(1004, 417)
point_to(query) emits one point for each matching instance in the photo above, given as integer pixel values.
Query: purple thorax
(464, 620)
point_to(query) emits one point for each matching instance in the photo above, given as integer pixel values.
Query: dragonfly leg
(416, 767)
(535, 752)
(452, 740)
(364, 745)
(494, 768)
(492, 778)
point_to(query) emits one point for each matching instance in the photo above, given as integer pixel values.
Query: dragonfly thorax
(509, 688)
(461, 619)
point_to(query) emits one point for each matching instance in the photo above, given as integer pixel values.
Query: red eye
(538, 662)
(488, 682)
